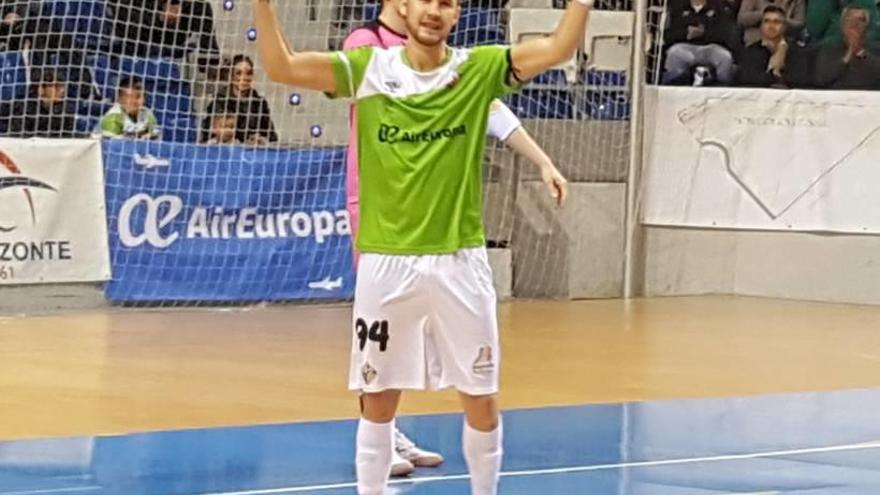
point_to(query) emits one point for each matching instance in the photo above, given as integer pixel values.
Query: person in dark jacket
(253, 118)
(773, 62)
(164, 28)
(700, 33)
(849, 65)
(14, 15)
(46, 113)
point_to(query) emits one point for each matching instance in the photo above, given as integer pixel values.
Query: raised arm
(532, 57)
(311, 70)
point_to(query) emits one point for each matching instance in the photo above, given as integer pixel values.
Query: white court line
(573, 469)
(54, 490)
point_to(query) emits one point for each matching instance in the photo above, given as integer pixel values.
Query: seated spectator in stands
(699, 35)
(850, 65)
(164, 28)
(222, 130)
(50, 43)
(130, 118)
(823, 19)
(253, 118)
(751, 16)
(773, 62)
(46, 112)
(14, 15)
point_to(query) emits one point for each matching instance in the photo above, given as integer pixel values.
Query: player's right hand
(556, 183)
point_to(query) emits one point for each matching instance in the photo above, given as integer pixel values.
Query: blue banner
(226, 223)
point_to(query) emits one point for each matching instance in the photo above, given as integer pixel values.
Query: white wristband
(586, 3)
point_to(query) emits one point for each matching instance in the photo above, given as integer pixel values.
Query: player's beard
(426, 36)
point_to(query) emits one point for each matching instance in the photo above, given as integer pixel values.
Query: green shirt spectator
(130, 118)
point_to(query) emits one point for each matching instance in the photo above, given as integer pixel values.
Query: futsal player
(424, 292)
(389, 31)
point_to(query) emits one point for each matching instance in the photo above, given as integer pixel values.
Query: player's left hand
(556, 183)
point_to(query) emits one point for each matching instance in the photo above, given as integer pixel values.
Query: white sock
(482, 451)
(373, 459)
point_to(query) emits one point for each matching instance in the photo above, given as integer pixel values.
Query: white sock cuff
(488, 440)
(485, 434)
(370, 433)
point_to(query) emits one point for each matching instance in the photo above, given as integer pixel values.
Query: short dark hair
(133, 83)
(47, 77)
(774, 9)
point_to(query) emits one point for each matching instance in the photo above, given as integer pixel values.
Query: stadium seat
(530, 4)
(160, 76)
(542, 104)
(86, 124)
(92, 108)
(477, 26)
(86, 20)
(531, 23)
(158, 71)
(178, 128)
(164, 102)
(370, 12)
(548, 96)
(611, 105)
(175, 115)
(103, 73)
(13, 76)
(608, 43)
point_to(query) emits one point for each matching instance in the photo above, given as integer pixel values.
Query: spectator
(823, 19)
(253, 117)
(50, 44)
(164, 28)
(130, 118)
(222, 127)
(14, 15)
(773, 62)
(699, 34)
(850, 65)
(752, 12)
(47, 112)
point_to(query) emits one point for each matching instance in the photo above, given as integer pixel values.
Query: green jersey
(421, 139)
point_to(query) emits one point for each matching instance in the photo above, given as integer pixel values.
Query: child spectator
(130, 118)
(222, 126)
(253, 119)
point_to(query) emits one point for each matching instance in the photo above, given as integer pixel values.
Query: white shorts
(425, 322)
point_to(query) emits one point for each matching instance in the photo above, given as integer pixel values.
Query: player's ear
(402, 8)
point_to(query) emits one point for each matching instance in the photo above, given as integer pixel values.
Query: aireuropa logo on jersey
(163, 220)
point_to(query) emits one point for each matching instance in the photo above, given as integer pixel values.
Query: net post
(632, 227)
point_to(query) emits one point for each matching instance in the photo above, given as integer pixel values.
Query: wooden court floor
(122, 371)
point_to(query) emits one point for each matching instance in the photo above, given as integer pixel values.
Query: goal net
(230, 188)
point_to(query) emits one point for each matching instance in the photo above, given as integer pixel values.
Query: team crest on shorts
(368, 373)
(484, 362)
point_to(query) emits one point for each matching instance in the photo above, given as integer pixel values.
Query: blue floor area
(812, 443)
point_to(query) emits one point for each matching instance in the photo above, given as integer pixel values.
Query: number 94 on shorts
(425, 322)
